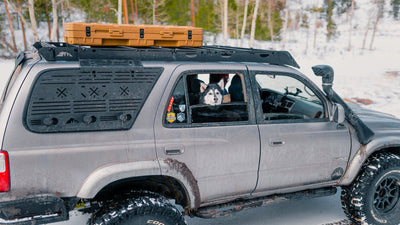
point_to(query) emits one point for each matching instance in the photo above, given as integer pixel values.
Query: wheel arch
(386, 144)
(165, 186)
(143, 175)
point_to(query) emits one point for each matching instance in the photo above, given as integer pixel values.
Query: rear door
(218, 144)
(299, 145)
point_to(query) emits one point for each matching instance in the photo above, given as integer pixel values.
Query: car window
(208, 98)
(177, 109)
(286, 98)
(72, 100)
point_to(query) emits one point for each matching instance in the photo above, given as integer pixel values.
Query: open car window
(208, 98)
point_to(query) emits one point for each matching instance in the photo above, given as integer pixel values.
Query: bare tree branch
(12, 6)
(8, 44)
(11, 26)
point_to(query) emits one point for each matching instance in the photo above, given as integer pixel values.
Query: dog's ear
(203, 87)
(221, 84)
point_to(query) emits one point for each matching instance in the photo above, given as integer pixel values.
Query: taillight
(4, 172)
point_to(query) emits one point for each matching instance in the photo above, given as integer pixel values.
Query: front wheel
(374, 196)
(144, 210)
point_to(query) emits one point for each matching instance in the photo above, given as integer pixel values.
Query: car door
(218, 144)
(300, 146)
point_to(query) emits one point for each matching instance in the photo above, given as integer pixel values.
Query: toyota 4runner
(123, 132)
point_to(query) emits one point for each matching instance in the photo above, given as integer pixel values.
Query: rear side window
(67, 100)
(204, 98)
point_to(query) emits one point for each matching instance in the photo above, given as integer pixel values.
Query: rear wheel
(374, 196)
(144, 210)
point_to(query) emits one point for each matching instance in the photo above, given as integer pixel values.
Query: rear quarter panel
(61, 163)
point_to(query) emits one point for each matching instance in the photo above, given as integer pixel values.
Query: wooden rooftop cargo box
(97, 34)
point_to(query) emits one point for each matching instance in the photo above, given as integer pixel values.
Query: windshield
(10, 83)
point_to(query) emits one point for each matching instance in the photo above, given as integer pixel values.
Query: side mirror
(327, 74)
(338, 114)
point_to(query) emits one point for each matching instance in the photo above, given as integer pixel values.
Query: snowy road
(317, 211)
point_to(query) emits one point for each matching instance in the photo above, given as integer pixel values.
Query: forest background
(24, 22)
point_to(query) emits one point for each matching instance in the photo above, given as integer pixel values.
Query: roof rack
(59, 51)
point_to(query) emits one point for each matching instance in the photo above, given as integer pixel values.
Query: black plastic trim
(58, 51)
(58, 103)
(34, 210)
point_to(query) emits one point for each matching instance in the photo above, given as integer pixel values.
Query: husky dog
(212, 94)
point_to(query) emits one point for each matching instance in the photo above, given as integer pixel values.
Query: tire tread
(353, 197)
(115, 211)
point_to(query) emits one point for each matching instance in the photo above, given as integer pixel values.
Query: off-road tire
(374, 195)
(143, 210)
(345, 200)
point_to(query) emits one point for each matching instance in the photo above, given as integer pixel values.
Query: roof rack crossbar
(58, 51)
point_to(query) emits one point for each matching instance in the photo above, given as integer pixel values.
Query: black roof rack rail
(59, 51)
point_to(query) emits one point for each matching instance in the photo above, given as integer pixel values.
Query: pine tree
(395, 8)
(177, 12)
(343, 6)
(381, 7)
(269, 24)
(331, 27)
(206, 16)
(98, 11)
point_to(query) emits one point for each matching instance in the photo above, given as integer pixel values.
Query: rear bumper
(39, 209)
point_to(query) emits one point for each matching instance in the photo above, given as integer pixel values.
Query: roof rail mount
(59, 51)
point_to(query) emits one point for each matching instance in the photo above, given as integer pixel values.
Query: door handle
(276, 143)
(174, 151)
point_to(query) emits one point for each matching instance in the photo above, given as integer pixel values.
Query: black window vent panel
(73, 100)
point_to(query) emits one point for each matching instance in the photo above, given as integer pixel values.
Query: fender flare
(106, 175)
(181, 172)
(362, 155)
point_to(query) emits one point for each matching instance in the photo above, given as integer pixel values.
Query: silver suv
(130, 135)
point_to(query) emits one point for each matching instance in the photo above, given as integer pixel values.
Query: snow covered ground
(317, 211)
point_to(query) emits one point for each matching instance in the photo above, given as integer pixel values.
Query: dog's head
(212, 94)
